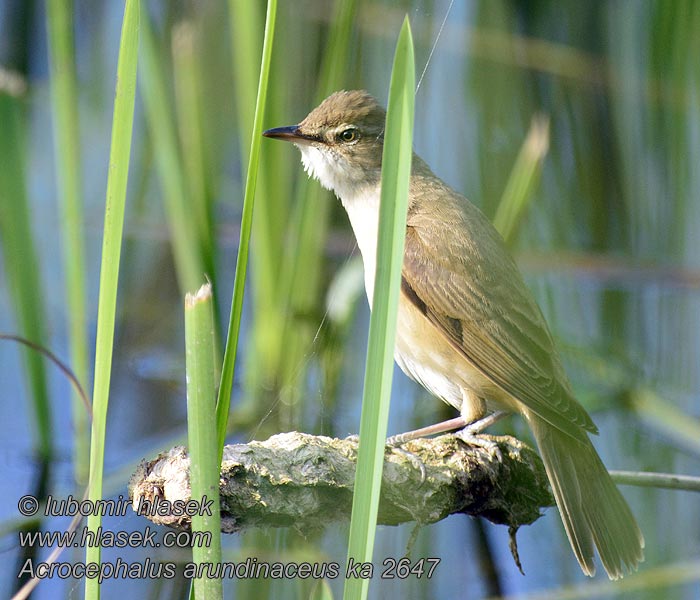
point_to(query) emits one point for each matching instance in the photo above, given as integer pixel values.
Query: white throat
(363, 211)
(361, 202)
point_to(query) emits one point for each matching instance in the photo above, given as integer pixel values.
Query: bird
(468, 328)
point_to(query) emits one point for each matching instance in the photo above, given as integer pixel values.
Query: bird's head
(341, 141)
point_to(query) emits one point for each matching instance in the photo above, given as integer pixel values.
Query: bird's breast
(363, 212)
(422, 351)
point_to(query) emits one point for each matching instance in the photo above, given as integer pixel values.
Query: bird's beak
(291, 134)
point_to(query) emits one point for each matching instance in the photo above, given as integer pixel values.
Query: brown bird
(469, 330)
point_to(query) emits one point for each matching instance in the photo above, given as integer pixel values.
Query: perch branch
(305, 482)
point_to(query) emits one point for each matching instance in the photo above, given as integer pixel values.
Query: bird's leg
(467, 430)
(478, 426)
(442, 427)
(467, 433)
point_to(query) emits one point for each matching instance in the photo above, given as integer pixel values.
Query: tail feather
(592, 509)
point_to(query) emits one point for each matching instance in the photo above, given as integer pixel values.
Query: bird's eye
(349, 135)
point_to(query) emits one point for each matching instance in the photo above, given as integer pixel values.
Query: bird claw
(470, 437)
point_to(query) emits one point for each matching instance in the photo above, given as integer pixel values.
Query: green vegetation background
(607, 235)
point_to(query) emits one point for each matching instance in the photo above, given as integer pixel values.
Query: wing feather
(471, 290)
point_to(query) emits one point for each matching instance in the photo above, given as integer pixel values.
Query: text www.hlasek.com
(114, 539)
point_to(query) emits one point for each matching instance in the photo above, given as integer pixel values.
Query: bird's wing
(471, 290)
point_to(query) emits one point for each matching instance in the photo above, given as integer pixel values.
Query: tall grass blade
(120, 153)
(161, 123)
(523, 177)
(21, 262)
(301, 271)
(201, 417)
(189, 89)
(64, 96)
(246, 27)
(227, 373)
(396, 170)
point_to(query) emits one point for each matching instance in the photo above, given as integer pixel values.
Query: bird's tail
(592, 509)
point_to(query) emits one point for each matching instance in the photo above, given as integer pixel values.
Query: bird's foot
(471, 435)
(480, 441)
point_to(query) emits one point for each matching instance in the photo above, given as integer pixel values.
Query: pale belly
(426, 356)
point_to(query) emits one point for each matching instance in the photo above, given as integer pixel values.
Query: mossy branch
(305, 482)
